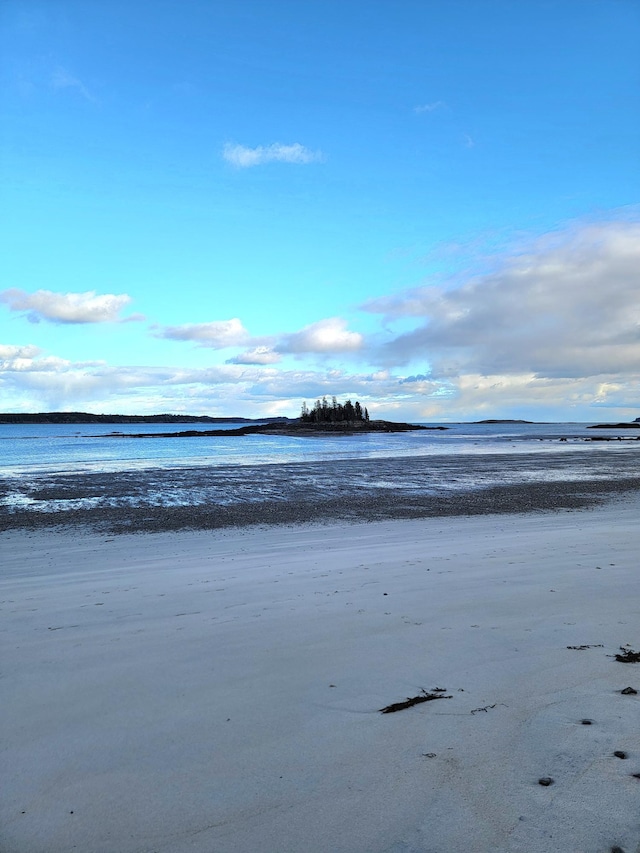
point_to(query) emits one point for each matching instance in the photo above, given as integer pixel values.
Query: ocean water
(60, 466)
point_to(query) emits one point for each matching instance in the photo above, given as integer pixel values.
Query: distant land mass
(89, 418)
(264, 426)
(502, 421)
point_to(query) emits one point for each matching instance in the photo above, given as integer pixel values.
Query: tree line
(333, 412)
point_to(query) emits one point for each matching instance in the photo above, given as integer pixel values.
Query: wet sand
(157, 500)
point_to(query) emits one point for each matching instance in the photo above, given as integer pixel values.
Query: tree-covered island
(325, 417)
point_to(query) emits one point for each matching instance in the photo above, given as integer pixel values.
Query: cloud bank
(567, 308)
(544, 332)
(55, 383)
(244, 158)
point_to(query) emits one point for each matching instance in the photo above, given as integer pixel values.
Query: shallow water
(46, 448)
(62, 467)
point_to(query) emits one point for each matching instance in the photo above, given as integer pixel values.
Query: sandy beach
(219, 691)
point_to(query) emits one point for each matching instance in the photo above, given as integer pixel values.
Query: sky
(229, 208)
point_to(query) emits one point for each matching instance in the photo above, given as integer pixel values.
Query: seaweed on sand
(628, 656)
(423, 696)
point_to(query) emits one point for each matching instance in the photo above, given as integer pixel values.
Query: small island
(631, 425)
(333, 418)
(621, 426)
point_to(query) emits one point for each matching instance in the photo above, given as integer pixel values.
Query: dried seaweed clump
(423, 696)
(628, 656)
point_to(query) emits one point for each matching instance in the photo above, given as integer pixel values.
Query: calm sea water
(40, 456)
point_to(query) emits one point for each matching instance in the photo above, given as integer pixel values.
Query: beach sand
(220, 691)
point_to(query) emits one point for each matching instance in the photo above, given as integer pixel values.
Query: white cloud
(569, 307)
(258, 355)
(46, 364)
(8, 352)
(62, 79)
(244, 157)
(68, 307)
(216, 335)
(429, 108)
(325, 336)
(30, 359)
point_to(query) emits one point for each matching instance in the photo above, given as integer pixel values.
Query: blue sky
(229, 208)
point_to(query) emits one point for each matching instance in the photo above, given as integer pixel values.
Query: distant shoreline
(280, 425)
(89, 418)
(251, 426)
